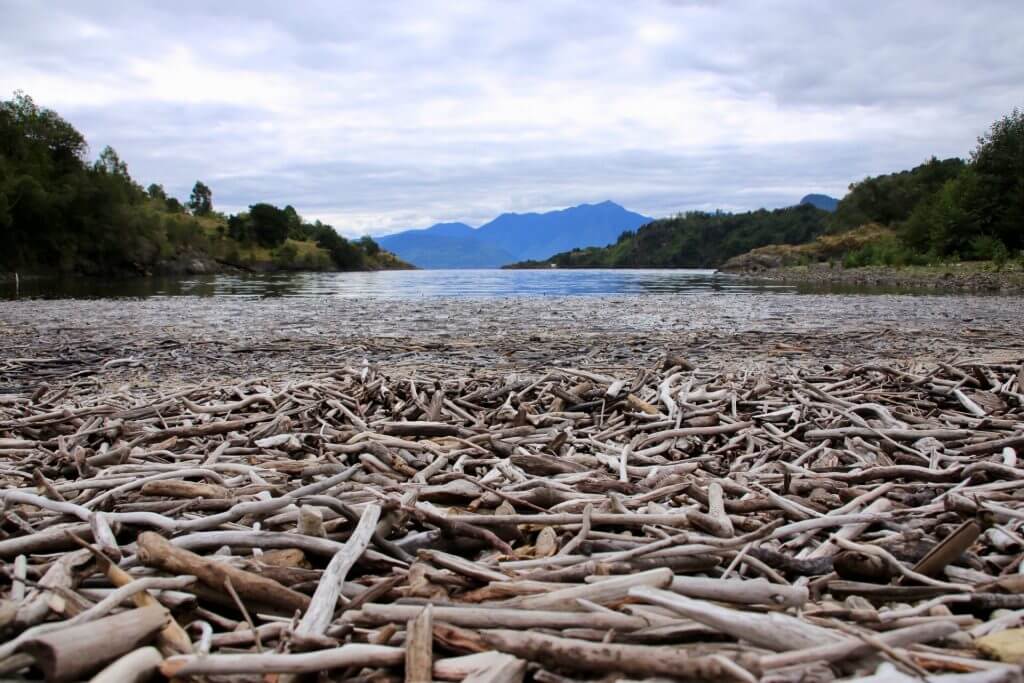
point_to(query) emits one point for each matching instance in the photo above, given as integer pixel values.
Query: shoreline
(172, 340)
(943, 279)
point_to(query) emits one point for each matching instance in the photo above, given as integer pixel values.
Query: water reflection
(399, 284)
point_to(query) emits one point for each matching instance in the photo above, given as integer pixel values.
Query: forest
(940, 211)
(61, 213)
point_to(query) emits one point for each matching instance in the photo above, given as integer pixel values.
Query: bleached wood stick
(69, 654)
(419, 648)
(458, 668)
(502, 669)
(854, 647)
(774, 631)
(497, 617)
(135, 667)
(353, 655)
(321, 608)
(744, 592)
(600, 592)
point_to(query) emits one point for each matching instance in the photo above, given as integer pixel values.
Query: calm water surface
(400, 284)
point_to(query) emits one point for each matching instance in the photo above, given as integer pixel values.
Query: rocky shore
(951, 278)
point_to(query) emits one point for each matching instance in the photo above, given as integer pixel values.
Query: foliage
(939, 211)
(59, 212)
(698, 239)
(200, 202)
(888, 251)
(997, 199)
(268, 224)
(889, 199)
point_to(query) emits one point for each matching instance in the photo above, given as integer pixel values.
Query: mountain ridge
(512, 237)
(821, 201)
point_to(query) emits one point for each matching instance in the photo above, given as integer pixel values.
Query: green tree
(110, 162)
(201, 199)
(156, 191)
(997, 199)
(368, 246)
(269, 224)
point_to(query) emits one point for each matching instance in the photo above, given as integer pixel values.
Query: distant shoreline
(967, 277)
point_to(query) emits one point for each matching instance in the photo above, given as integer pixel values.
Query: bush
(887, 251)
(988, 248)
(285, 255)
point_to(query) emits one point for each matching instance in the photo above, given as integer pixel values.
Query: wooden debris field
(665, 522)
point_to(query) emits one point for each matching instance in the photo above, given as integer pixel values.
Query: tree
(110, 162)
(997, 199)
(269, 224)
(156, 191)
(26, 130)
(201, 199)
(369, 246)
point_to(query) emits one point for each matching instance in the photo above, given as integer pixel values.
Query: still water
(398, 284)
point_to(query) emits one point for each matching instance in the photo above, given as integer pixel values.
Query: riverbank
(961, 277)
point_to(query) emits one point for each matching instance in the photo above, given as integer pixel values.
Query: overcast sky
(378, 116)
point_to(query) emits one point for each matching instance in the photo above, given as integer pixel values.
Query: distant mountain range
(822, 201)
(513, 237)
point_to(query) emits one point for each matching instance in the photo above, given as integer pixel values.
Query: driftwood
(135, 667)
(664, 520)
(71, 653)
(155, 551)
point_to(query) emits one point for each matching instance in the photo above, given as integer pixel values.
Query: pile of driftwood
(664, 523)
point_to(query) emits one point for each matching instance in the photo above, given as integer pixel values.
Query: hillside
(941, 211)
(513, 237)
(61, 214)
(696, 239)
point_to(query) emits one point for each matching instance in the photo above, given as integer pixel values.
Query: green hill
(696, 239)
(941, 210)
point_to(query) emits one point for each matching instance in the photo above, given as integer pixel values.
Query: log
(155, 551)
(604, 658)
(356, 655)
(419, 648)
(72, 653)
(498, 617)
(774, 631)
(854, 647)
(135, 667)
(758, 592)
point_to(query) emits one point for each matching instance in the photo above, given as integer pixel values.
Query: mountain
(513, 237)
(822, 201)
(446, 245)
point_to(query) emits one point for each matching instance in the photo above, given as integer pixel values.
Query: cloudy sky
(378, 116)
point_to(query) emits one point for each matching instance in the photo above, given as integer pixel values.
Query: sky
(380, 116)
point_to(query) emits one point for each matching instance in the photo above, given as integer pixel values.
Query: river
(397, 284)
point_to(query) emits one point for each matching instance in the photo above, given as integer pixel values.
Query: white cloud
(382, 116)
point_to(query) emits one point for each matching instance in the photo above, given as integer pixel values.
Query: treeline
(942, 210)
(59, 212)
(697, 239)
(946, 210)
